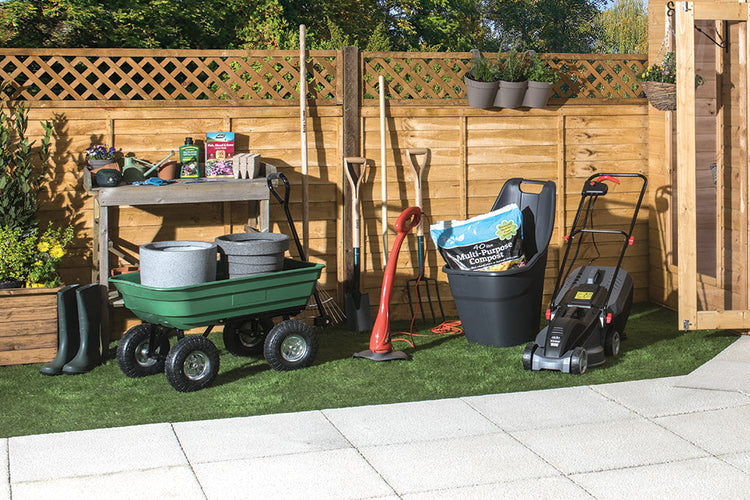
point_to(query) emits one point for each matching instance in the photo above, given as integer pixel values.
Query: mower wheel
(290, 345)
(612, 343)
(133, 356)
(246, 336)
(579, 361)
(528, 355)
(192, 364)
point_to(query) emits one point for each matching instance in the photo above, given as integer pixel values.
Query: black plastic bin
(504, 308)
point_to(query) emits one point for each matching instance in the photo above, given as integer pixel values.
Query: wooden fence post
(351, 132)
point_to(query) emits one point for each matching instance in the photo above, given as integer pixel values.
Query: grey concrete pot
(247, 254)
(169, 264)
(510, 94)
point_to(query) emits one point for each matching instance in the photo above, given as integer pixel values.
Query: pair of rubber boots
(79, 319)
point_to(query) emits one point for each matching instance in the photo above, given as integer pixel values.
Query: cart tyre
(528, 355)
(612, 343)
(192, 364)
(579, 361)
(290, 345)
(246, 336)
(132, 352)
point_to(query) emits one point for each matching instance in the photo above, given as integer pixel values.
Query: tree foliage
(434, 25)
(623, 28)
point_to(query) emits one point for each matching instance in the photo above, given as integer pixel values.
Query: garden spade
(357, 304)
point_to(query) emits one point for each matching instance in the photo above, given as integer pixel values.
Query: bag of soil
(487, 242)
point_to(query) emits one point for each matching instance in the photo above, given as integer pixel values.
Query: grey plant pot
(510, 94)
(537, 94)
(247, 254)
(170, 264)
(480, 94)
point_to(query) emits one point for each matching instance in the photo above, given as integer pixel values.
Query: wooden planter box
(28, 325)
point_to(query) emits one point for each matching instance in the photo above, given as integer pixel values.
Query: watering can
(133, 172)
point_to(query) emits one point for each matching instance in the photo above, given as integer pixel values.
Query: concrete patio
(678, 437)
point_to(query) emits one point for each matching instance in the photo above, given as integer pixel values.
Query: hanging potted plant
(540, 78)
(658, 83)
(481, 82)
(512, 80)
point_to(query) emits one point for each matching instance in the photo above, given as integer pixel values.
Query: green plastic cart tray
(209, 303)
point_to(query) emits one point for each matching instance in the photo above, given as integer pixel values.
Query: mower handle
(606, 178)
(408, 219)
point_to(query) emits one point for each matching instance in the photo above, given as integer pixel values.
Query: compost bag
(488, 242)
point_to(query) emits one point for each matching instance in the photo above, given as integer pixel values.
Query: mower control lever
(607, 178)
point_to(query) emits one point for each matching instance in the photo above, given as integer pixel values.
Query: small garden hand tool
(357, 304)
(419, 168)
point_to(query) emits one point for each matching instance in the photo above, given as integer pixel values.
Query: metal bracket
(686, 324)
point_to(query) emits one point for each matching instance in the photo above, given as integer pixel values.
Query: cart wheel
(245, 336)
(579, 361)
(290, 345)
(192, 363)
(132, 351)
(612, 343)
(528, 355)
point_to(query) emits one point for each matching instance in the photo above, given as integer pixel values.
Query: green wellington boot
(89, 299)
(67, 330)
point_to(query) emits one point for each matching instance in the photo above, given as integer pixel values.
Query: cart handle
(278, 175)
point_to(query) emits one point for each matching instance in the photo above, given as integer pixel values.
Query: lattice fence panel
(437, 76)
(155, 77)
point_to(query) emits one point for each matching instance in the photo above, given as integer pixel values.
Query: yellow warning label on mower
(584, 295)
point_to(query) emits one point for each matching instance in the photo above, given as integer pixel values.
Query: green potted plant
(658, 82)
(15, 257)
(481, 82)
(30, 257)
(512, 73)
(541, 77)
(100, 156)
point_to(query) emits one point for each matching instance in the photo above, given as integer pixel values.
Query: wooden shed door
(718, 299)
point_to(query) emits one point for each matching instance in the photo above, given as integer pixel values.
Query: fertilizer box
(219, 154)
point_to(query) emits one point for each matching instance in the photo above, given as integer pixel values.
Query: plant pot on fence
(248, 254)
(537, 94)
(481, 94)
(170, 264)
(662, 96)
(510, 94)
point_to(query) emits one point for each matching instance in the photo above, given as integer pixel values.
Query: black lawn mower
(588, 313)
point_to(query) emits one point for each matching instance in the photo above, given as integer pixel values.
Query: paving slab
(177, 482)
(451, 463)
(402, 422)
(4, 470)
(701, 478)
(258, 436)
(339, 473)
(88, 453)
(601, 446)
(737, 351)
(545, 488)
(550, 408)
(717, 431)
(720, 376)
(664, 396)
(739, 460)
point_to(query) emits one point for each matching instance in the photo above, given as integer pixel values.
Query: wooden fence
(146, 102)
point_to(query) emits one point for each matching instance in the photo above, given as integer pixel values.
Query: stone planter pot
(248, 254)
(481, 94)
(537, 94)
(170, 264)
(510, 94)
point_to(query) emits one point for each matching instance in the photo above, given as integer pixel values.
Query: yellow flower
(38, 263)
(43, 246)
(56, 252)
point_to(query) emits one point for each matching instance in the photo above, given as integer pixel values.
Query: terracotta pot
(96, 165)
(168, 170)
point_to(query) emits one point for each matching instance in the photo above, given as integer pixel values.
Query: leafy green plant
(483, 70)
(540, 71)
(665, 71)
(31, 256)
(23, 169)
(512, 68)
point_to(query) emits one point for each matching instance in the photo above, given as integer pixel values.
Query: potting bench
(183, 191)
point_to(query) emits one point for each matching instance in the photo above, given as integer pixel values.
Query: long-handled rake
(329, 311)
(419, 168)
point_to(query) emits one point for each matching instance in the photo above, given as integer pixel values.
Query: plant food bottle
(189, 159)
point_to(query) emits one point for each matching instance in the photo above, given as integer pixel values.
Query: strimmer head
(383, 356)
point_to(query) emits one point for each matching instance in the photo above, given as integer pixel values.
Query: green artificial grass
(443, 367)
